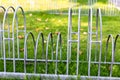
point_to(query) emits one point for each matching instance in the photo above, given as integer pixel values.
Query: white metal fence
(42, 62)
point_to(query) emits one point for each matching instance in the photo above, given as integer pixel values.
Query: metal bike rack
(51, 52)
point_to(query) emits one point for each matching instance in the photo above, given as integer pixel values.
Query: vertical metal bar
(46, 62)
(113, 51)
(1, 31)
(18, 51)
(90, 26)
(47, 45)
(17, 37)
(61, 48)
(13, 42)
(78, 44)
(88, 41)
(13, 55)
(70, 33)
(60, 41)
(96, 51)
(9, 38)
(89, 32)
(112, 60)
(1, 40)
(100, 16)
(25, 52)
(57, 54)
(13, 49)
(57, 49)
(68, 43)
(40, 35)
(107, 48)
(35, 58)
(52, 48)
(4, 52)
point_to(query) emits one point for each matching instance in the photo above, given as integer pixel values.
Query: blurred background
(109, 7)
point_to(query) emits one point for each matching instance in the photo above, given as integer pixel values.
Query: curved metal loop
(40, 35)
(16, 18)
(24, 18)
(5, 16)
(98, 24)
(116, 38)
(50, 38)
(69, 20)
(112, 59)
(3, 25)
(1, 38)
(109, 37)
(100, 16)
(25, 48)
(4, 12)
(59, 42)
(3, 8)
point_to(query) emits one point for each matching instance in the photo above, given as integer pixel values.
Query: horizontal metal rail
(52, 76)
